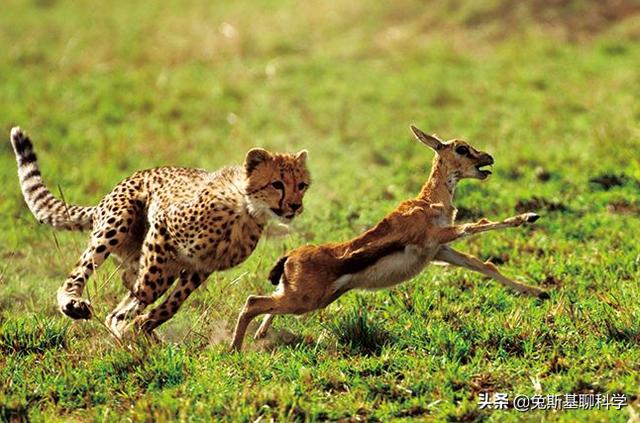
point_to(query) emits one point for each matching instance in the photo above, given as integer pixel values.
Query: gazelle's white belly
(388, 271)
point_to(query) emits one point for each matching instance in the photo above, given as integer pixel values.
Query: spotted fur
(167, 224)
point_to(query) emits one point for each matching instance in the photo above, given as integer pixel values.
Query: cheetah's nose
(294, 206)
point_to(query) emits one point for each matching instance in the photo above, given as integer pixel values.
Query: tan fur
(395, 250)
(167, 224)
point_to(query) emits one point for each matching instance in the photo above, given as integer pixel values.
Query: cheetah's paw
(76, 308)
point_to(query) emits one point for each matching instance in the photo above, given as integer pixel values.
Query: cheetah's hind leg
(118, 320)
(136, 330)
(147, 323)
(124, 321)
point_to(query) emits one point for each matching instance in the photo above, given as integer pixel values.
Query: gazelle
(396, 249)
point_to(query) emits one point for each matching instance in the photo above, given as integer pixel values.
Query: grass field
(549, 87)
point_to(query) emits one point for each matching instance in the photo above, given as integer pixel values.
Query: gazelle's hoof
(260, 334)
(531, 217)
(544, 295)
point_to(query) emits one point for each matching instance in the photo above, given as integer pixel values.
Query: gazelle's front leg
(452, 233)
(254, 306)
(456, 258)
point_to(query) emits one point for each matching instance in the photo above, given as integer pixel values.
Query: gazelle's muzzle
(485, 160)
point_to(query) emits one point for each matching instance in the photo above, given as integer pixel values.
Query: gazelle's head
(459, 158)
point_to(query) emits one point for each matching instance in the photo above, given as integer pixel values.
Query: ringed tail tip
(20, 141)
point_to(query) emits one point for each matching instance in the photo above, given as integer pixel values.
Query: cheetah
(167, 226)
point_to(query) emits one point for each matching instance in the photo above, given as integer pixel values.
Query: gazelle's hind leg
(298, 298)
(456, 258)
(264, 326)
(255, 306)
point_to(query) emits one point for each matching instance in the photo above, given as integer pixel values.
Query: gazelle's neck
(440, 185)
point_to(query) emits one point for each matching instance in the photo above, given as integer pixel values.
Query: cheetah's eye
(462, 150)
(302, 186)
(277, 185)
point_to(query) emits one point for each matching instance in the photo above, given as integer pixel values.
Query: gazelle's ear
(301, 156)
(428, 140)
(254, 157)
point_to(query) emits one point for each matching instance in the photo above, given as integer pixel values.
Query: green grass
(550, 88)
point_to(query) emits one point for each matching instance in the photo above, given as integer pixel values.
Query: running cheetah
(167, 223)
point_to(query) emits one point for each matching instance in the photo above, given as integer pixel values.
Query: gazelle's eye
(277, 185)
(302, 186)
(462, 150)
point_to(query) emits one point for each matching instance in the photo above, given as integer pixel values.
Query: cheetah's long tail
(44, 206)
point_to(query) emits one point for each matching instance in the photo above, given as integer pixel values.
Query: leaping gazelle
(396, 249)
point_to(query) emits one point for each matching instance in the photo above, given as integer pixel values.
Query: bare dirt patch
(539, 203)
(542, 174)
(606, 181)
(624, 207)
(575, 19)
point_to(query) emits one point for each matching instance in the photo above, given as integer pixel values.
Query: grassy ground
(550, 88)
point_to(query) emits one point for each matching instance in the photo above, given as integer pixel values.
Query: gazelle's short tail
(44, 206)
(278, 270)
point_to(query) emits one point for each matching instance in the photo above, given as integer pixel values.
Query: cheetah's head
(276, 183)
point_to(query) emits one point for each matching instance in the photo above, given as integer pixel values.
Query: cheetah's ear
(301, 156)
(429, 140)
(254, 157)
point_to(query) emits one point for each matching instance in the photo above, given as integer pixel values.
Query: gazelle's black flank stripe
(44, 206)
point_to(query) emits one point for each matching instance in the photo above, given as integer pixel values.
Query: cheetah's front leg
(155, 272)
(108, 234)
(69, 295)
(189, 282)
